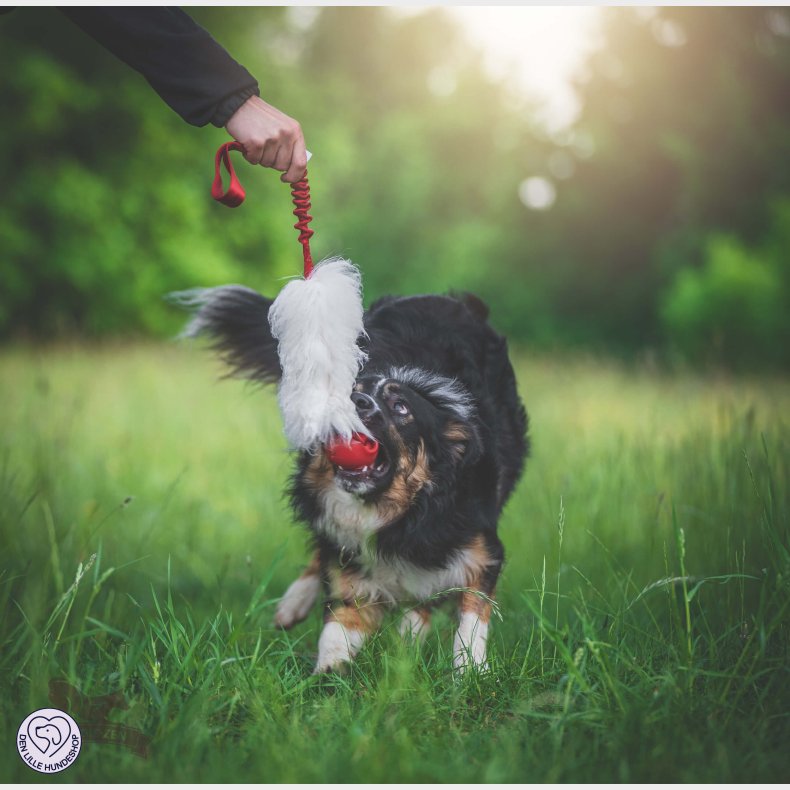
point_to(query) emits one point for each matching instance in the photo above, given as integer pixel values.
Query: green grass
(645, 601)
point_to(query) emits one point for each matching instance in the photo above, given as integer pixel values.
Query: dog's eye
(400, 407)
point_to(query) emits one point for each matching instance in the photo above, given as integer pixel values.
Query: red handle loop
(235, 195)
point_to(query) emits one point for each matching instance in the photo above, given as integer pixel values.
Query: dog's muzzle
(366, 407)
(362, 463)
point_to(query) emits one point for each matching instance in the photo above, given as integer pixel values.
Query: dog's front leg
(415, 623)
(474, 616)
(346, 627)
(299, 598)
(475, 604)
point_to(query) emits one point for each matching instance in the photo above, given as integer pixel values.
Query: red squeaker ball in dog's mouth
(357, 453)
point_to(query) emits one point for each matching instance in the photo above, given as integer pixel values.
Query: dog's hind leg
(299, 598)
(415, 623)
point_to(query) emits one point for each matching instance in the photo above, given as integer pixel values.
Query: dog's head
(427, 429)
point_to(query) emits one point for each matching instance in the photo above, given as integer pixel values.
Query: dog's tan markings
(410, 478)
(456, 432)
(314, 566)
(474, 612)
(363, 616)
(347, 624)
(474, 603)
(344, 585)
(397, 440)
(420, 474)
(299, 598)
(478, 559)
(349, 605)
(457, 436)
(319, 474)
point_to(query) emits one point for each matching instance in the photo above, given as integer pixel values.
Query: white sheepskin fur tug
(317, 322)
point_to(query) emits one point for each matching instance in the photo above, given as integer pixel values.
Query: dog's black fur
(439, 394)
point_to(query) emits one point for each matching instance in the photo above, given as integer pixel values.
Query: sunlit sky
(539, 47)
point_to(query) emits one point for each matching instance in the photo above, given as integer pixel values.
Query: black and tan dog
(439, 395)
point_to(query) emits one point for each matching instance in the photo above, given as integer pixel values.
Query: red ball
(360, 451)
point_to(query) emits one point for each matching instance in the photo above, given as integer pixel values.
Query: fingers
(270, 153)
(252, 153)
(282, 159)
(270, 138)
(297, 165)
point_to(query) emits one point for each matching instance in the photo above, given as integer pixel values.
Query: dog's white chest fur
(396, 581)
(347, 519)
(350, 522)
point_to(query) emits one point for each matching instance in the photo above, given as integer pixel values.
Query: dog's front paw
(469, 647)
(337, 647)
(339, 668)
(297, 602)
(462, 663)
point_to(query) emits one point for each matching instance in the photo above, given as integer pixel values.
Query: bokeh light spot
(442, 81)
(537, 193)
(668, 33)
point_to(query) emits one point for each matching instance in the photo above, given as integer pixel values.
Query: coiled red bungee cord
(300, 193)
(235, 194)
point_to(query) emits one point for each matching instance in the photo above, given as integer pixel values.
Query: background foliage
(669, 232)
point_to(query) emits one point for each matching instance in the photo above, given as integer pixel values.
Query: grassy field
(645, 601)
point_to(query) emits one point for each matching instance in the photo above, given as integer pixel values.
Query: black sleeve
(181, 61)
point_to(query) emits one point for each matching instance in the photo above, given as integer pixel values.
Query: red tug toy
(330, 420)
(358, 453)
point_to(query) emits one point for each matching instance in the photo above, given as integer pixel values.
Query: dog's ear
(236, 319)
(464, 440)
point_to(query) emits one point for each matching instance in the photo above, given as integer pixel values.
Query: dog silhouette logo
(49, 740)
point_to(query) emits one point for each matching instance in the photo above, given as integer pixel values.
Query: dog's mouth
(367, 476)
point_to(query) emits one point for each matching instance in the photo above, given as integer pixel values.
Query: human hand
(270, 138)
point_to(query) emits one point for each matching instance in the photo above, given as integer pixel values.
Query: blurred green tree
(683, 134)
(106, 206)
(734, 309)
(420, 159)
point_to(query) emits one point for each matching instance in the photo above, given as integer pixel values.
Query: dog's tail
(236, 319)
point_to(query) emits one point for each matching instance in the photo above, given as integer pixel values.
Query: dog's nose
(366, 406)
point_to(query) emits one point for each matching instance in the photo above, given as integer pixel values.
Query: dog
(419, 523)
